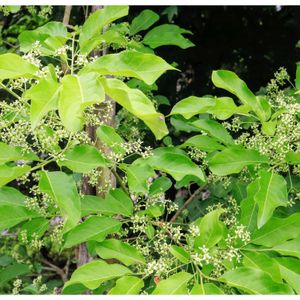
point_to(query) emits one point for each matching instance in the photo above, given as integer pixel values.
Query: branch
(119, 179)
(67, 14)
(185, 205)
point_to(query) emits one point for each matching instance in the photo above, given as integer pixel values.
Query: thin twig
(119, 179)
(54, 268)
(187, 202)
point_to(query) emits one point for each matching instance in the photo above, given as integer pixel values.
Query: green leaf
(254, 281)
(91, 205)
(167, 34)
(203, 143)
(11, 215)
(77, 93)
(277, 230)
(92, 229)
(174, 285)
(249, 209)
(10, 173)
(230, 82)
(12, 153)
(211, 229)
(263, 262)
(14, 66)
(116, 202)
(206, 289)
(62, 189)
(297, 80)
(95, 272)
(144, 66)
(181, 124)
(214, 129)
(181, 254)
(108, 136)
(143, 21)
(52, 36)
(271, 193)
(175, 162)
(127, 285)
(93, 26)
(136, 103)
(123, 252)
(44, 98)
(290, 271)
(11, 196)
(12, 272)
(232, 160)
(83, 159)
(160, 185)
(293, 158)
(34, 228)
(225, 108)
(138, 174)
(289, 248)
(192, 106)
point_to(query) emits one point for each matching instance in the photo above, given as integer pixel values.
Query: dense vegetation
(101, 193)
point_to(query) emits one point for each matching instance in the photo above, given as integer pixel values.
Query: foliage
(215, 213)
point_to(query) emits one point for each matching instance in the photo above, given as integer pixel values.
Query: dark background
(253, 41)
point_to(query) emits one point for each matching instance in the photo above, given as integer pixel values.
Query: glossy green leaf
(62, 189)
(51, 36)
(95, 272)
(108, 136)
(214, 129)
(94, 228)
(77, 93)
(11, 196)
(44, 98)
(143, 21)
(232, 83)
(192, 106)
(203, 143)
(11, 215)
(173, 285)
(136, 103)
(181, 254)
(127, 285)
(10, 173)
(277, 230)
(167, 34)
(254, 281)
(271, 193)
(175, 162)
(116, 202)
(261, 261)
(206, 289)
(211, 229)
(160, 185)
(91, 205)
(293, 158)
(145, 66)
(83, 159)
(93, 26)
(290, 271)
(226, 108)
(138, 174)
(289, 248)
(14, 66)
(249, 209)
(12, 153)
(123, 252)
(12, 272)
(232, 160)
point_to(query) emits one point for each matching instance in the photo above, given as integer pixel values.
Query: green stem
(9, 91)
